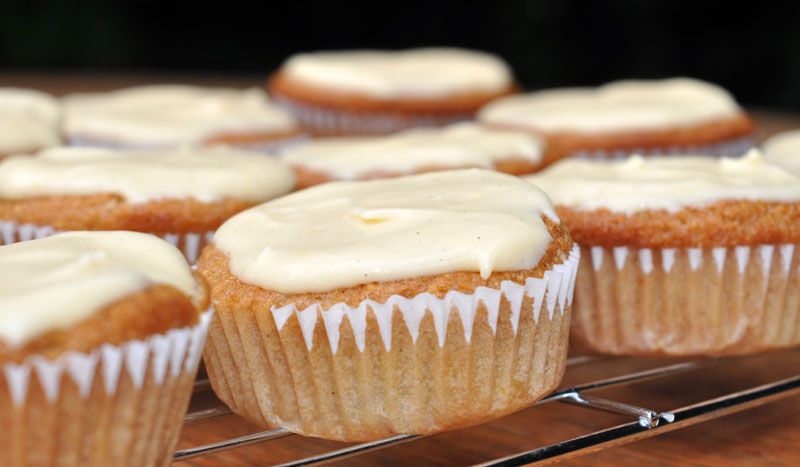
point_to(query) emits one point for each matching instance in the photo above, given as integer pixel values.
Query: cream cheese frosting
(205, 174)
(617, 106)
(29, 120)
(343, 234)
(784, 149)
(161, 115)
(669, 183)
(457, 146)
(420, 73)
(58, 281)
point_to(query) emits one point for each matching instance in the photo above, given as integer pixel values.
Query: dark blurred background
(753, 50)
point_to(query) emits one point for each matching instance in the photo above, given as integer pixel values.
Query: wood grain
(768, 435)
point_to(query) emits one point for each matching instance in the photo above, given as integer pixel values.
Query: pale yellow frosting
(457, 146)
(205, 174)
(617, 106)
(784, 149)
(58, 281)
(29, 120)
(343, 234)
(163, 115)
(669, 183)
(422, 73)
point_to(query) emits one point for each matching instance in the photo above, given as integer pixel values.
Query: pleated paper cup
(409, 365)
(116, 406)
(190, 244)
(688, 301)
(728, 148)
(326, 121)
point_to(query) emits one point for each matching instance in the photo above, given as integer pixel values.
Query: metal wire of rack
(646, 422)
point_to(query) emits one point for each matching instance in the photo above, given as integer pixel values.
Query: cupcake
(359, 310)
(682, 256)
(377, 92)
(784, 149)
(100, 337)
(29, 121)
(460, 145)
(181, 195)
(167, 116)
(678, 115)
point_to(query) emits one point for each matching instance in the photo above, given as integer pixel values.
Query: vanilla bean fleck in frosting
(343, 234)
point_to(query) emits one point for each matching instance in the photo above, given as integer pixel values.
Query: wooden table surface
(767, 435)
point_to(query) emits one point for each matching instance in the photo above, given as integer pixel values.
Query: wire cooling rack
(645, 422)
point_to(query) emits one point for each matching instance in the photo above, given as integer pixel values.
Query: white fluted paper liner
(328, 121)
(688, 301)
(191, 244)
(418, 365)
(119, 405)
(730, 148)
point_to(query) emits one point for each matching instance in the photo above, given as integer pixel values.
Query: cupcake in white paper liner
(677, 116)
(682, 256)
(181, 195)
(101, 334)
(359, 310)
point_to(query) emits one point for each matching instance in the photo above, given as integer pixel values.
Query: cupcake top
(204, 174)
(618, 106)
(665, 183)
(784, 149)
(416, 73)
(55, 282)
(347, 233)
(456, 146)
(160, 115)
(28, 120)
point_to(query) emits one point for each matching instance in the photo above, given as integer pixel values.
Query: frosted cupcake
(167, 116)
(687, 256)
(181, 195)
(460, 145)
(376, 92)
(29, 121)
(784, 149)
(100, 337)
(678, 115)
(359, 310)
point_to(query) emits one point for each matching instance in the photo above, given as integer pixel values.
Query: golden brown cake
(100, 337)
(169, 116)
(29, 121)
(181, 195)
(671, 116)
(686, 256)
(359, 310)
(417, 150)
(378, 92)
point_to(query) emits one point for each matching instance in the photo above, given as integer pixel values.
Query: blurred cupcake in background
(29, 121)
(682, 256)
(181, 195)
(377, 92)
(460, 145)
(678, 115)
(784, 149)
(164, 116)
